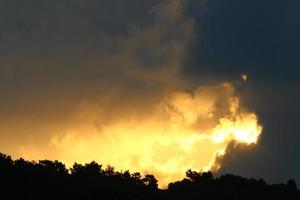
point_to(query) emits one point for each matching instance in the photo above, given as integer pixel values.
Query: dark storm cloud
(45, 41)
(260, 38)
(50, 53)
(56, 56)
(46, 45)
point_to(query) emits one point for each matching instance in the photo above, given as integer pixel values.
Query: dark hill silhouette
(21, 179)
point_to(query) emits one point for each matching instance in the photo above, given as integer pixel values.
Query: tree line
(45, 179)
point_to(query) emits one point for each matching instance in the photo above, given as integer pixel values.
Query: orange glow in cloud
(185, 131)
(134, 115)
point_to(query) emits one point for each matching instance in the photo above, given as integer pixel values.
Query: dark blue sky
(260, 38)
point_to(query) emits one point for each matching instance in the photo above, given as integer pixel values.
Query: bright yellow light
(185, 131)
(244, 77)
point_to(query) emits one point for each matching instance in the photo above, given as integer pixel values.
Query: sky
(70, 65)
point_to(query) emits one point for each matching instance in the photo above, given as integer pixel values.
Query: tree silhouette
(150, 181)
(45, 179)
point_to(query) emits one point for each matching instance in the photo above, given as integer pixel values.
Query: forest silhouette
(45, 179)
